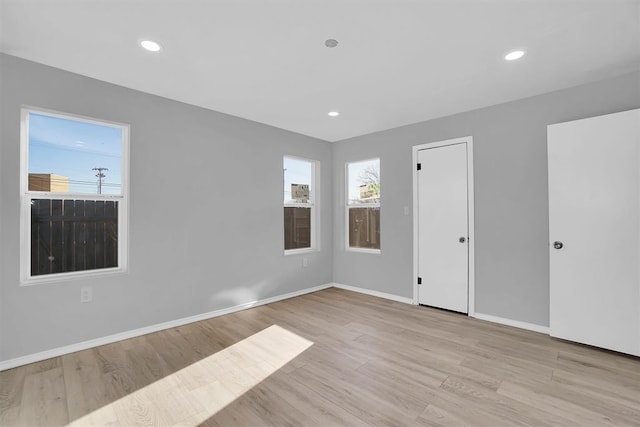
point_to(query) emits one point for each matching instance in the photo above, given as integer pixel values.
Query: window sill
(76, 275)
(288, 252)
(365, 250)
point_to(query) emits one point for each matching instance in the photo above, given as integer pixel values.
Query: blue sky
(72, 148)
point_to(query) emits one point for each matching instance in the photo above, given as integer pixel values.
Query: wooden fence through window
(73, 235)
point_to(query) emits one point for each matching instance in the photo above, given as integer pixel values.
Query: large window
(74, 196)
(300, 202)
(363, 205)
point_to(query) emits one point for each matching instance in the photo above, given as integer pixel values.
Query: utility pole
(100, 175)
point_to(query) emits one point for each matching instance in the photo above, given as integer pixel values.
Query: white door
(443, 255)
(594, 231)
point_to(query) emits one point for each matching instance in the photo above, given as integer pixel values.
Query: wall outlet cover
(86, 294)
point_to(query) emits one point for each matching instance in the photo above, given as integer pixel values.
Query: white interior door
(594, 220)
(443, 255)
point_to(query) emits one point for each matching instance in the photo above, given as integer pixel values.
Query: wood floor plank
(616, 409)
(600, 387)
(84, 388)
(11, 388)
(446, 409)
(44, 400)
(315, 408)
(596, 368)
(9, 416)
(270, 408)
(434, 416)
(541, 397)
(331, 358)
(171, 400)
(361, 399)
(498, 405)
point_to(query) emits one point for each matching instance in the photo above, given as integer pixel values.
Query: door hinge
(419, 280)
(419, 166)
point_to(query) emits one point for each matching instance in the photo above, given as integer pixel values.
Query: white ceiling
(398, 61)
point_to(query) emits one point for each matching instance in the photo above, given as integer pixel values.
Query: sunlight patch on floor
(192, 395)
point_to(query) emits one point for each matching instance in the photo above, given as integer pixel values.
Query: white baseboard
(514, 323)
(373, 293)
(60, 351)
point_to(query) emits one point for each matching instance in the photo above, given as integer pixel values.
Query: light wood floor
(330, 358)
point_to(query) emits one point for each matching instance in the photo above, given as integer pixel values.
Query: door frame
(468, 140)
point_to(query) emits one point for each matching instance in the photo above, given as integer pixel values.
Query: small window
(299, 204)
(363, 205)
(73, 196)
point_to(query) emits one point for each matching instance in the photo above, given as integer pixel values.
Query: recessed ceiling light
(333, 114)
(331, 43)
(150, 45)
(516, 54)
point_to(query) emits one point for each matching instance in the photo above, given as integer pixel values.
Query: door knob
(558, 245)
(462, 240)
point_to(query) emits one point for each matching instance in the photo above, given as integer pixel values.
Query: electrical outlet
(406, 210)
(305, 262)
(86, 294)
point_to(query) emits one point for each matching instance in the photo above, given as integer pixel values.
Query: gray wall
(511, 200)
(227, 249)
(206, 222)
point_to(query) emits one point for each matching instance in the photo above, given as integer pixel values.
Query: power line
(100, 175)
(77, 182)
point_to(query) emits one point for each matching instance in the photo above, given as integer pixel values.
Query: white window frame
(314, 205)
(26, 196)
(349, 206)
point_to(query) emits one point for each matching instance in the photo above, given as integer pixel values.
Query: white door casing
(594, 196)
(443, 215)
